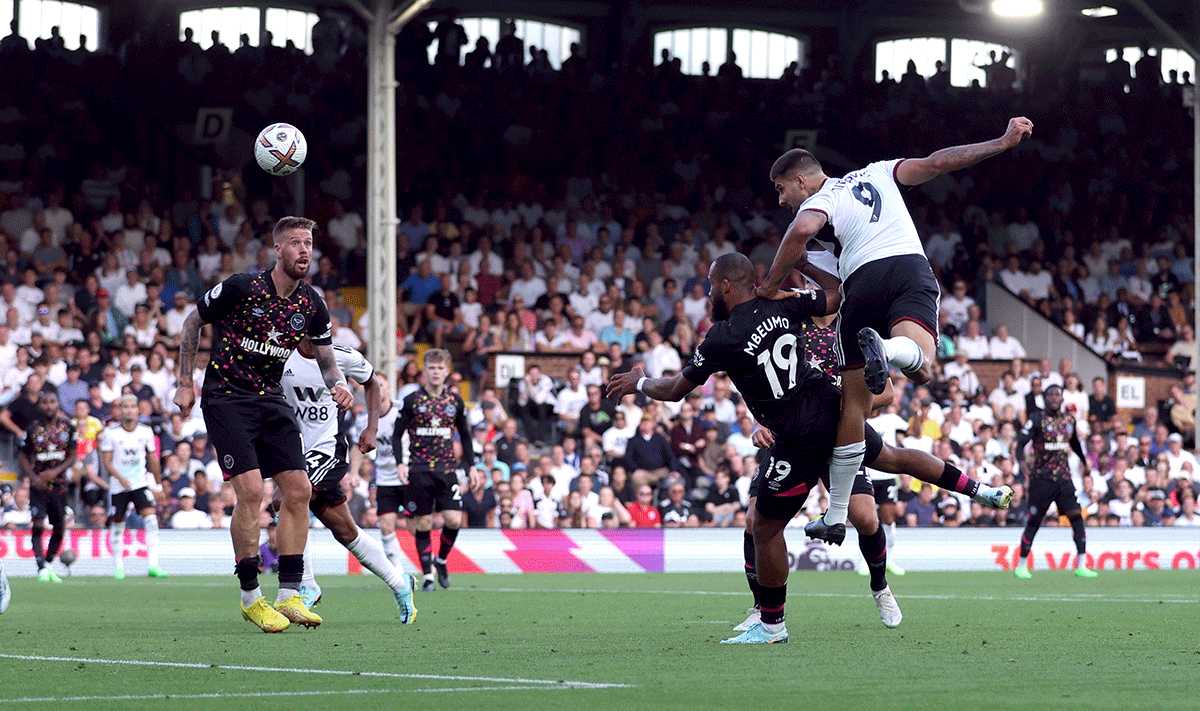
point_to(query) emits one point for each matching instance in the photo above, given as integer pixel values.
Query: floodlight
(1017, 8)
(1102, 11)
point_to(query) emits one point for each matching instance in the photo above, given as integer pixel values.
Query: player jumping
(258, 320)
(327, 445)
(128, 452)
(888, 284)
(430, 416)
(1054, 436)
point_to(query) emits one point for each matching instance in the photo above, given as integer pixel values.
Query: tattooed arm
(334, 380)
(189, 341)
(919, 170)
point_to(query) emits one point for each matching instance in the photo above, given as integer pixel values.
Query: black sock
(425, 550)
(449, 535)
(291, 571)
(874, 551)
(39, 554)
(954, 480)
(246, 570)
(1080, 535)
(56, 538)
(771, 603)
(1031, 529)
(751, 569)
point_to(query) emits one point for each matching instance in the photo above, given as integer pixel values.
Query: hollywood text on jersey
(266, 349)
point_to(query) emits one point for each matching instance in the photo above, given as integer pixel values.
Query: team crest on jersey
(296, 322)
(227, 460)
(451, 411)
(213, 293)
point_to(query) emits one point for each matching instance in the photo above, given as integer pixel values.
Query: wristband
(342, 383)
(641, 383)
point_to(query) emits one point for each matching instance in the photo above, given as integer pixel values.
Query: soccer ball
(280, 149)
(67, 556)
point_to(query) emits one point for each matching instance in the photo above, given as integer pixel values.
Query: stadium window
(760, 54)
(555, 39)
(38, 18)
(6, 16)
(232, 22)
(229, 22)
(968, 57)
(1170, 57)
(893, 56)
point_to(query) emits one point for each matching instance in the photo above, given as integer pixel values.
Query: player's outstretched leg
(875, 372)
(928, 468)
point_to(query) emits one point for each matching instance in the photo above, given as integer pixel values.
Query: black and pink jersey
(819, 344)
(255, 330)
(48, 444)
(430, 422)
(1053, 436)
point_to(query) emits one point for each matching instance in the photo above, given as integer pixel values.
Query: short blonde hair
(437, 355)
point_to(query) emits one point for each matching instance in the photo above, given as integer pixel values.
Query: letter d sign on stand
(509, 367)
(212, 126)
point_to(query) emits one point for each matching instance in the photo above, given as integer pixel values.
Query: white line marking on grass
(271, 694)
(335, 672)
(1083, 597)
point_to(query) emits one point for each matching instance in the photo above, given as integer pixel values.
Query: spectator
(972, 343)
(1004, 347)
(1180, 462)
(648, 455)
(569, 403)
(188, 516)
(957, 305)
(676, 511)
(536, 404)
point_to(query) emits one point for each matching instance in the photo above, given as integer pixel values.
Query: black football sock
(246, 571)
(954, 480)
(52, 548)
(425, 551)
(771, 604)
(1027, 536)
(874, 551)
(291, 573)
(751, 569)
(1079, 533)
(38, 552)
(449, 535)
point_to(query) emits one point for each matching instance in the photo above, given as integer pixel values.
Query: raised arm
(334, 380)
(915, 171)
(793, 251)
(673, 388)
(831, 284)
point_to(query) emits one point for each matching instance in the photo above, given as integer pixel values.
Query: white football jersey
(129, 450)
(385, 456)
(887, 424)
(868, 215)
(304, 387)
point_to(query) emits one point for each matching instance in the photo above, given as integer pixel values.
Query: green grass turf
(1127, 640)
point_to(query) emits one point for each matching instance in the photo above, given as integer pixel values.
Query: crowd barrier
(654, 551)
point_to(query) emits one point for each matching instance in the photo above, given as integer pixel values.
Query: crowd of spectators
(575, 211)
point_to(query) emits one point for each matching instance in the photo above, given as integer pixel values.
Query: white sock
(391, 548)
(843, 467)
(116, 539)
(310, 576)
(373, 558)
(904, 353)
(249, 596)
(889, 533)
(151, 523)
(775, 628)
(286, 592)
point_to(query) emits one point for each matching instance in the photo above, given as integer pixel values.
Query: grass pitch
(1127, 640)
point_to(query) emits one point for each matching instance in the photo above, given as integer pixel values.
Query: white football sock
(889, 532)
(249, 596)
(373, 558)
(286, 592)
(309, 578)
(391, 548)
(843, 467)
(151, 523)
(774, 628)
(904, 353)
(116, 540)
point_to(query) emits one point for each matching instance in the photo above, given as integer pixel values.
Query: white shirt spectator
(128, 297)
(1176, 462)
(958, 310)
(1038, 284)
(569, 402)
(529, 289)
(1005, 348)
(193, 519)
(345, 230)
(982, 414)
(614, 440)
(660, 359)
(976, 347)
(968, 382)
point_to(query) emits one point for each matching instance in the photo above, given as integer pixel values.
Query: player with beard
(258, 320)
(46, 455)
(754, 340)
(129, 452)
(888, 284)
(1054, 437)
(327, 443)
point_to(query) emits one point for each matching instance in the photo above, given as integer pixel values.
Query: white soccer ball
(280, 149)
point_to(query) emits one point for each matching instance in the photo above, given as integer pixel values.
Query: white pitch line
(792, 594)
(335, 672)
(272, 694)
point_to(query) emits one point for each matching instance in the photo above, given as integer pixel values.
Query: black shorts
(432, 490)
(882, 293)
(786, 476)
(874, 447)
(389, 500)
(1043, 491)
(326, 472)
(254, 434)
(119, 503)
(51, 505)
